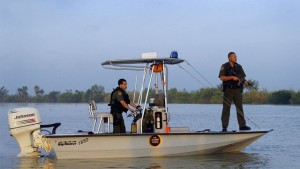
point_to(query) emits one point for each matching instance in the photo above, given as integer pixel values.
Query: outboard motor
(23, 124)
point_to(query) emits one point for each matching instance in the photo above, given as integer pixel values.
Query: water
(278, 149)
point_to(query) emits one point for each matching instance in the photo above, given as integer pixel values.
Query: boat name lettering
(24, 116)
(67, 143)
(83, 141)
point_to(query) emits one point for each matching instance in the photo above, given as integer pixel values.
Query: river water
(277, 149)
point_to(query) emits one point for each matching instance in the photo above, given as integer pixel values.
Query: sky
(60, 44)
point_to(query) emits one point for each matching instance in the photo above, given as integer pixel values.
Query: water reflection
(229, 160)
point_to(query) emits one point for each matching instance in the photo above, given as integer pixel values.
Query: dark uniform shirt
(117, 96)
(228, 70)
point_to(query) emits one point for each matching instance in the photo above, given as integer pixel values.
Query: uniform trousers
(119, 125)
(234, 95)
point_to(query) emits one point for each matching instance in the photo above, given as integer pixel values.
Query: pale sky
(60, 44)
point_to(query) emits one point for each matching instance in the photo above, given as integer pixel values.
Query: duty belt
(232, 87)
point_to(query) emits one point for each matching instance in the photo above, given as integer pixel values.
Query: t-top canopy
(170, 61)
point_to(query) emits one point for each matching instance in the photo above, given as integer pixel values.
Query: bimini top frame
(145, 65)
(170, 61)
(135, 64)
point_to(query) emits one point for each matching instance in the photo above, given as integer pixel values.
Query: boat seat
(103, 117)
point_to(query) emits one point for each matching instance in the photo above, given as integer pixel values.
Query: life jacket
(115, 104)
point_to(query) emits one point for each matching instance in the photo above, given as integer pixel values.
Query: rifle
(242, 80)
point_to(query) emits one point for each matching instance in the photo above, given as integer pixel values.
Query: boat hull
(78, 146)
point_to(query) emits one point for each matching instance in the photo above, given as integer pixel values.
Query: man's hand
(235, 78)
(139, 108)
(246, 83)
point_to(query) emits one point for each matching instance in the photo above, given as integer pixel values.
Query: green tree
(207, 95)
(96, 92)
(66, 97)
(3, 94)
(53, 96)
(78, 97)
(295, 97)
(106, 98)
(280, 97)
(183, 97)
(217, 97)
(23, 94)
(204, 95)
(172, 93)
(256, 97)
(38, 94)
(38, 91)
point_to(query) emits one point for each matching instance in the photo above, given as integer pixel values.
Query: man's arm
(226, 78)
(124, 104)
(135, 106)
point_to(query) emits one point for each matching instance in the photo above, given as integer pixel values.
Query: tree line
(209, 95)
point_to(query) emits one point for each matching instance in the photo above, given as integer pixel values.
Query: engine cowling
(23, 123)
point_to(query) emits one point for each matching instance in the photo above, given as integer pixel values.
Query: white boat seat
(104, 118)
(106, 115)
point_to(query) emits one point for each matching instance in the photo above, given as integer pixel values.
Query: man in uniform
(119, 103)
(231, 74)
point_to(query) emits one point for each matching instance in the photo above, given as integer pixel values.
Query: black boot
(245, 128)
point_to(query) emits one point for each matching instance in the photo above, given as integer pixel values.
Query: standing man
(231, 74)
(119, 103)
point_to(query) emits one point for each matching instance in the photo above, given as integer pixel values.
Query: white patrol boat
(150, 134)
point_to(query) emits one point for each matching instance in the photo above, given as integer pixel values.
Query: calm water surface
(277, 149)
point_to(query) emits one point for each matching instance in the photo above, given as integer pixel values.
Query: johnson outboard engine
(25, 126)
